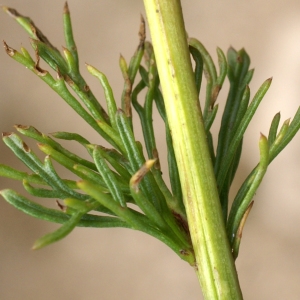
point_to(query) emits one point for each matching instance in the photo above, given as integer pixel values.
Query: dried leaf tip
(62, 207)
(238, 236)
(142, 32)
(140, 174)
(10, 51)
(26, 147)
(66, 8)
(11, 12)
(156, 157)
(243, 221)
(38, 69)
(262, 136)
(19, 126)
(6, 134)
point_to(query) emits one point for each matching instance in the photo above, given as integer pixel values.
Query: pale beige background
(117, 263)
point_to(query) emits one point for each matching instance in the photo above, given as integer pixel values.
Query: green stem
(214, 263)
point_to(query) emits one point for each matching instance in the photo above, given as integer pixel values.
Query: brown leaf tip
(142, 32)
(66, 8)
(243, 221)
(11, 12)
(68, 80)
(184, 252)
(62, 207)
(38, 69)
(18, 126)
(140, 174)
(120, 111)
(156, 157)
(215, 94)
(25, 147)
(6, 134)
(10, 51)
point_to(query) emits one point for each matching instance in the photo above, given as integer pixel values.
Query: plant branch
(215, 266)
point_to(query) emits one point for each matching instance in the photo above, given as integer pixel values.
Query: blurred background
(121, 264)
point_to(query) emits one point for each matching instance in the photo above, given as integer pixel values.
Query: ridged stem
(214, 263)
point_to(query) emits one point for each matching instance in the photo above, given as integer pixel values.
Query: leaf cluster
(238, 112)
(116, 182)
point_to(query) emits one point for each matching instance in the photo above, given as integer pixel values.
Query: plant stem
(214, 263)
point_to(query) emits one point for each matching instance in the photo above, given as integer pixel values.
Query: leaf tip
(3, 193)
(142, 32)
(120, 112)
(262, 136)
(140, 174)
(11, 12)
(80, 183)
(6, 134)
(92, 69)
(263, 141)
(66, 8)
(60, 206)
(287, 122)
(37, 245)
(10, 51)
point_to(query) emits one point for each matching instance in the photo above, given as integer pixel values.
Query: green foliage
(115, 177)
